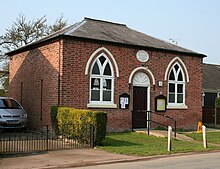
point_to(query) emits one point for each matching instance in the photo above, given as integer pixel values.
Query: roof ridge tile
(104, 21)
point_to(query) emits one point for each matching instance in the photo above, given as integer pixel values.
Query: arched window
(101, 81)
(176, 86)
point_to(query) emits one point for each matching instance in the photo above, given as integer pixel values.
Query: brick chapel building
(107, 66)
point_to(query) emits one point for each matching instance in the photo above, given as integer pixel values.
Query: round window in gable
(142, 56)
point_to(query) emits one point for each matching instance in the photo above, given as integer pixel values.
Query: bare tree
(58, 25)
(23, 32)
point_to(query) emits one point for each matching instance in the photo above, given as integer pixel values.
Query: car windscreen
(9, 104)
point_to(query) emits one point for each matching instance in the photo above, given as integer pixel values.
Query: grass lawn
(143, 145)
(212, 137)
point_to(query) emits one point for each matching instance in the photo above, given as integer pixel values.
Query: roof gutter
(31, 46)
(149, 47)
(37, 43)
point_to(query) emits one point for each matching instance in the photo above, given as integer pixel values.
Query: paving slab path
(179, 136)
(61, 159)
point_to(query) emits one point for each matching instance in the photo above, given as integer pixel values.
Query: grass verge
(139, 144)
(212, 137)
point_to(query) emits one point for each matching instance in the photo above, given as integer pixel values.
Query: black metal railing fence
(41, 138)
(149, 120)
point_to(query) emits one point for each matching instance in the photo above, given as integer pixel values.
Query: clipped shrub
(53, 115)
(217, 102)
(76, 121)
(100, 126)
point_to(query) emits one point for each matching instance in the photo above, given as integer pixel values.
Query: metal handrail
(165, 116)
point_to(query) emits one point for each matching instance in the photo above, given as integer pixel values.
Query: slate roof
(110, 32)
(211, 78)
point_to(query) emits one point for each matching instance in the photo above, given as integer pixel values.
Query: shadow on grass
(118, 143)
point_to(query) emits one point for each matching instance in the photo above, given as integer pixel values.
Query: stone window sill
(182, 107)
(107, 106)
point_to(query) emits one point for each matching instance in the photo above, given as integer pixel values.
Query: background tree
(21, 33)
(58, 25)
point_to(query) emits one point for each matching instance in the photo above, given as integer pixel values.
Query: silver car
(12, 114)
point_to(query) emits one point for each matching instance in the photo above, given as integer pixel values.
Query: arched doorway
(141, 100)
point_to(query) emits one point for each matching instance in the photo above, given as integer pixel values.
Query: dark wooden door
(139, 117)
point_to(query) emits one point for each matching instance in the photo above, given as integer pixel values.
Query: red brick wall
(42, 63)
(75, 91)
(30, 68)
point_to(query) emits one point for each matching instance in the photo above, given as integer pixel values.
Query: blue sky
(194, 24)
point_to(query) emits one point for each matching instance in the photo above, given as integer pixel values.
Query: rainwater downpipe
(58, 101)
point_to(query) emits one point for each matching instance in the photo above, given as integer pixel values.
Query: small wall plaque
(160, 83)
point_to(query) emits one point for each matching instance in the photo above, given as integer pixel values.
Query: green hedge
(74, 121)
(53, 115)
(217, 102)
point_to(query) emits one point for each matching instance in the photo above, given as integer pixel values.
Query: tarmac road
(196, 161)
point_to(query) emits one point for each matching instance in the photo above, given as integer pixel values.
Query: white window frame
(101, 103)
(176, 105)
